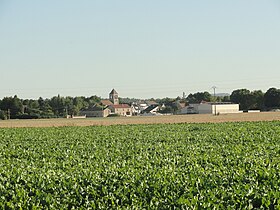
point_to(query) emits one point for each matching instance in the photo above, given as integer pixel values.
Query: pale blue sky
(143, 49)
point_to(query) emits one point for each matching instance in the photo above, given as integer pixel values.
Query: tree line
(57, 106)
(247, 100)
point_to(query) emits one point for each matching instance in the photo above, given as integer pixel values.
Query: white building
(211, 108)
(218, 108)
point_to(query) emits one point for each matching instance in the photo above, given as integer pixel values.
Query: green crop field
(163, 166)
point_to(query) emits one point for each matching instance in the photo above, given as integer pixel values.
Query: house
(143, 106)
(121, 109)
(96, 111)
(151, 110)
(135, 109)
(139, 107)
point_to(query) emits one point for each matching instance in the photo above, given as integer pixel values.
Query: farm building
(211, 108)
(121, 109)
(218, 108)
(96, 112)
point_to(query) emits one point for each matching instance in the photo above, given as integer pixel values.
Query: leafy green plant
(184, 166)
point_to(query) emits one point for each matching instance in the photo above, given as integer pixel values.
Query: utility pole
(215, 107)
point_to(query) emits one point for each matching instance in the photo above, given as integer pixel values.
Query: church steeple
(114, 97)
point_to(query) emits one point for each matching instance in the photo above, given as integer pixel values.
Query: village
(112, 107)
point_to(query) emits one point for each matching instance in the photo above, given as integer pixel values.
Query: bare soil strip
(203, 118)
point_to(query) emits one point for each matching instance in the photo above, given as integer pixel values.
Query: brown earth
(198, 118)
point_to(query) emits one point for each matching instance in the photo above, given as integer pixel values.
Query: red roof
(120, 106)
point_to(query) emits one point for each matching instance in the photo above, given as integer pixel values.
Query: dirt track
(264, 116)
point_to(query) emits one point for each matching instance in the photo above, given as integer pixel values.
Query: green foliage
(272, 98)
(257, 98)
(182, 166)
(198, 97)
(164, 100)
(3, 115)
(241, 96)
(55, 107)
(248, 99)
(13, 106)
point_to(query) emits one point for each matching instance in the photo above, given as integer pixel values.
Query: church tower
(114, 97)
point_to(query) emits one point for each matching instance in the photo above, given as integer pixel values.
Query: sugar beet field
(161, 166)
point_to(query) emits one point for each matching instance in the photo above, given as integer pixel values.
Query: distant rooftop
(94, 108)
(118, 106)
(150, 108)
(217, 103)
(106, 102)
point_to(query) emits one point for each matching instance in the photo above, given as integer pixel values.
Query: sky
(143, 49)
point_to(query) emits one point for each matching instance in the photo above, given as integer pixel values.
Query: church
(116, 107)
(108, 107)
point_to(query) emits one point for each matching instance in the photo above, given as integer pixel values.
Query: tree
(257, 100)
(31, 109)
(225, 99)
(45, 108)
(241, 97)
(79, 103)
(3, 115)
(272, 98)
(58, 105)
(165, 100)
(247, 99)
(198, 97)
(93, 100)
(12, 106)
